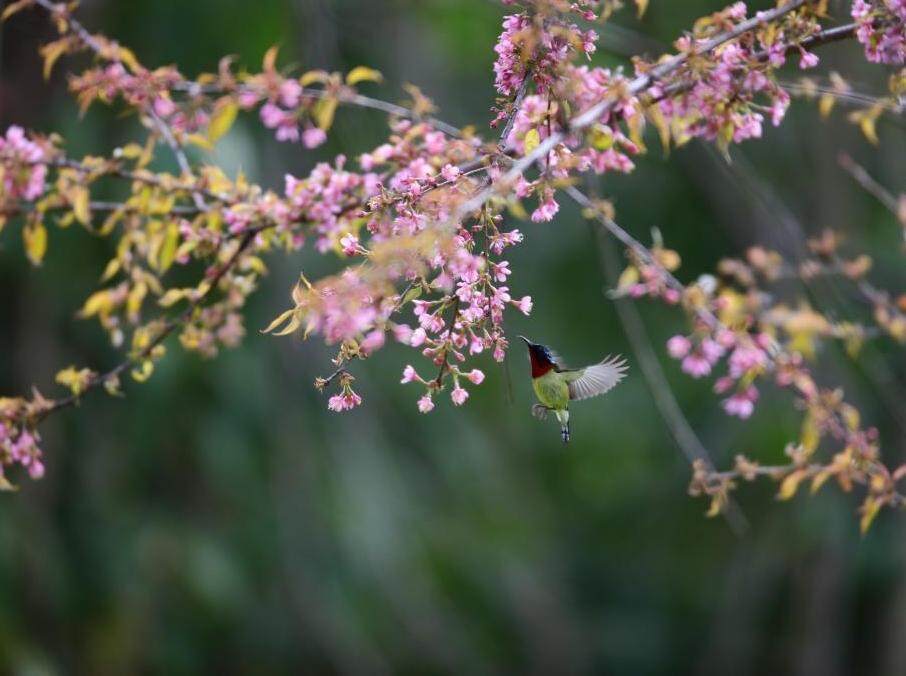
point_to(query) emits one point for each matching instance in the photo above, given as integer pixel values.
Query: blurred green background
(220, 519)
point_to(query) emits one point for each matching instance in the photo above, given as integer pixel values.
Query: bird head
(541, 357)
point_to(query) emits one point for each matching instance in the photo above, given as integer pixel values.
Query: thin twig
(162, 127)
(869, 184)
(680, 429)
(168, 328)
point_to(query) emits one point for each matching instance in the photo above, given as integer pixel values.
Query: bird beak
(527, 341)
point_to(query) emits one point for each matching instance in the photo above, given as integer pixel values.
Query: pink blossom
(696, 365)
(746, 358)
(500, 271)
(475, 376)
(271, 115)
(290, 93)
(418, 337)
(425, 404)
(402, 333)
(312, 137)
(459, 395)
(344, 401)
(409, 375)
(723, 384)
(808, 60)
(25, 179)
(450, 172)
(36, 469)
(741, 404)
(373, 341)
(678, 346)
(164, 106)
(349, 244)
(524, 305)
(711, 350)
(546, 210)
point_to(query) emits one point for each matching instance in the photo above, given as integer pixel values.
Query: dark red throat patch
(540, 363)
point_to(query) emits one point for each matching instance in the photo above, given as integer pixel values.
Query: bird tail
(563, 417)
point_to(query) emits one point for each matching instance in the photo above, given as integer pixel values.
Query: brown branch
(169, 326)
(678, 425)
(163, 128)
(869, 184)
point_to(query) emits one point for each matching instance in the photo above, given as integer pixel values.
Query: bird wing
(596, 379)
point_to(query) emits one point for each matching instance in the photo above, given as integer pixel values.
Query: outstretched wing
(596, 379)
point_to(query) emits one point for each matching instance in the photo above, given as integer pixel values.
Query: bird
(555, 386)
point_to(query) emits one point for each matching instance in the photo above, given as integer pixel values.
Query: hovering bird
(555, 385)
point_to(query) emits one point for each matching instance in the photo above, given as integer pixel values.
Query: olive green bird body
(556, 386)
(552, 390)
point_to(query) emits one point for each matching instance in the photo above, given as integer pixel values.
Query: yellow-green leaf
(34, 236)
(313, 76)
(77, 380)
(284, 317)
(270, 58)
(641, 6)
(532, 140)
(112, 268)
(222, 121)
(790, 484)
(870, 509)
(168, 248)
(81, 208)
(97, 303)
(811, 434)
(323, 113)
(144, 371)
(135, 299)
(51, 53)
(15, 7)
(363, 74)
(172, 297)
(200, 141)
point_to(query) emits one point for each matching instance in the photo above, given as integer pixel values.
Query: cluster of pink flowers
(344, 401)
(458, 395)
(721, 97)
(471, 319)
(882, 29)
(653, 283)
(143, 89)
(608, 148)
(23, 174)
(458, 266)
(539, 49)
(748, 358)
(20, 446)
(283, 111)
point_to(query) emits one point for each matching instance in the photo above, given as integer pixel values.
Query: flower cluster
(23, 168)
(736, 318)
(537, 47)
(882, 29)
(721, 98)
(19, 441)
(469, 318)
